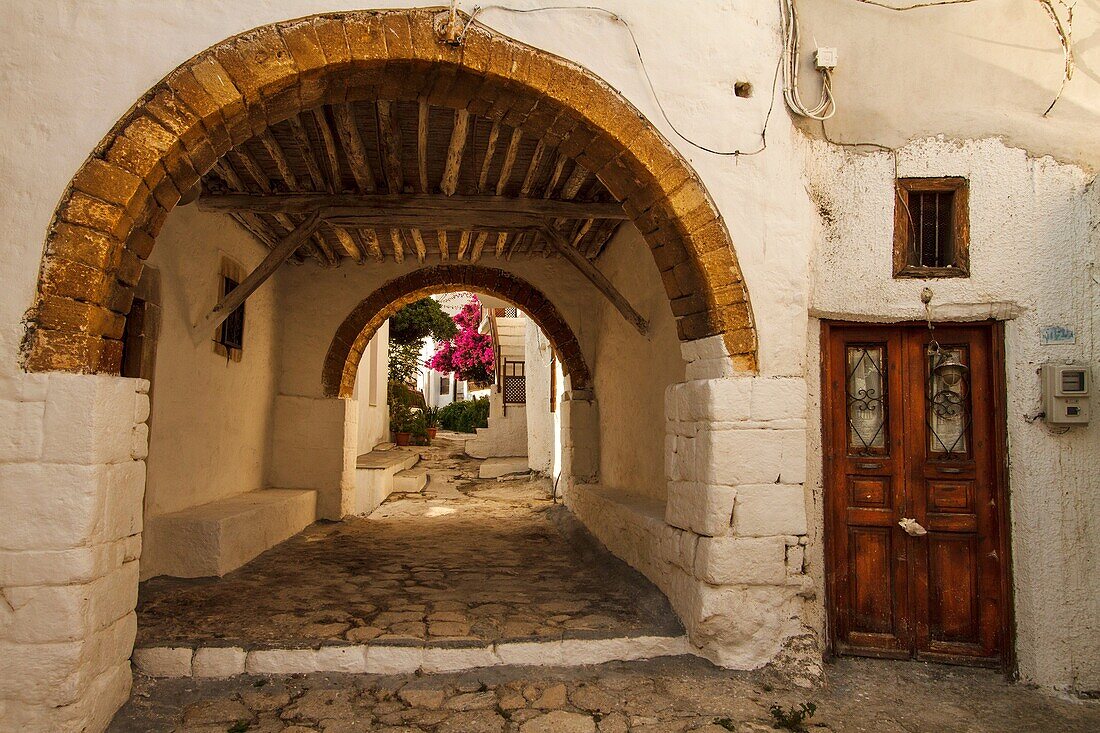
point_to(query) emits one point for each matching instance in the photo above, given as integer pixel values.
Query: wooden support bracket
(279, 254)
(597, 278)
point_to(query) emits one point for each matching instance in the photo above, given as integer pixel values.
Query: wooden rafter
(389, 136)
(444, 247)
(487, 160)
(328, 142)
(244, 159)
(479, 244)
(419, 245)
(509, 161)
(455, 149)
(422, 121)
(397, 238)
(349, 244)
(532, 170)
(356, 152)
(374, 247)
(278, 157)
(305, 147)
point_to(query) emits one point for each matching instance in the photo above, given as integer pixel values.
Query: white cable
(826, 104)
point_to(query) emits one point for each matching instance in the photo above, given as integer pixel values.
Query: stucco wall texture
(811, 224)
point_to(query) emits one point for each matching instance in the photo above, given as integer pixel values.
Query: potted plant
(431, 417)
(401, 422)
(419, 429)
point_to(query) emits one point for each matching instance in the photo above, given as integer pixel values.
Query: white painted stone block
(349, 659)
(141, 407)
(281, 661)
(741, 561)
(123, 504)
(218, 661)
(733, 457)
(458, 658)
(46, 506)
(139, 442)
(21, 428)
(531, 653)
(741, 627)
(763, 510)
(705, 509)
(383, 659)
(712, 347)
(88, 419)
(778, 398)
(796, 559)
(24, 386)
(163, 661)
(64, 567)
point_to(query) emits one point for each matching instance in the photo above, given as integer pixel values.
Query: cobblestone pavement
(660, 696)
(468, 561)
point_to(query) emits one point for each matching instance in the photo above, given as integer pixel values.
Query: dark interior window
(231, 334)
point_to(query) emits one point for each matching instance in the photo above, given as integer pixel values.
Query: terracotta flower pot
(403, 439)
(432, 432)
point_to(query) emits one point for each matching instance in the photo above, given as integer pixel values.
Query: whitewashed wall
(374, 417)
(542, 425)
(213, 415)
(631, 372)
(1033, 264)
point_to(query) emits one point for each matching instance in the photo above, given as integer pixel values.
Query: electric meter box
(1066, 390)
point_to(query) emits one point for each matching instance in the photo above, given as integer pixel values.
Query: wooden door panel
(929, 453)
(952, 588)
(870, 557)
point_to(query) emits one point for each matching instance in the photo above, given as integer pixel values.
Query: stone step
(229, 661)
(384, 446)
(496, 467)
(411, 480)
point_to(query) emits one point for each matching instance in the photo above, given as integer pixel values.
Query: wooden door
(906, 443)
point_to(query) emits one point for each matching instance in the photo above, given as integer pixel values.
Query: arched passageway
(349, 343)
(268, 127)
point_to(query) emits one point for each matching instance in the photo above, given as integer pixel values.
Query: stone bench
(377, 474)
(213, 539)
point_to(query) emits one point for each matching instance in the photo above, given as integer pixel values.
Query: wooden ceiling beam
(419, 245)
(349, 244)
(444, 246)
(532, 169)
(354, 149)
(457, 147)
(509, 161)
(397, 238)
(305, 147)
(422, 121)
(490, 151)
(244, 159)
(479, 245)
(278, 156)
(332, 155)
(374, 247)
(369, 204)
(389, 138)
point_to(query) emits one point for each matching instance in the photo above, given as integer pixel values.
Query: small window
(931, 228)
(231, 333)
(444, 385)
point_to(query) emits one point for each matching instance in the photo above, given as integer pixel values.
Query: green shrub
(465, 416)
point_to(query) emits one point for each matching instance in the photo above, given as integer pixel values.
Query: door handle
(912, 527)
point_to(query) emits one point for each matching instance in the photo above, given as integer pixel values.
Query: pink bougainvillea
(469, 355)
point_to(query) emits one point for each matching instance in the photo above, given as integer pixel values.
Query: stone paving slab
(464, 563)
(662, 696)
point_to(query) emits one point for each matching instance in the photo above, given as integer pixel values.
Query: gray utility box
(1066, 389)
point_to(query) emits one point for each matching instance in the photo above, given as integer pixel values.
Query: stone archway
(109, 217)
(353, 335)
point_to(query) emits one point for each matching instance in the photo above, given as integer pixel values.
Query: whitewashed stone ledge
(386, 659)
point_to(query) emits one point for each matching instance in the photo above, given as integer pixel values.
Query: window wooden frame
(904, 253)
(234, 271)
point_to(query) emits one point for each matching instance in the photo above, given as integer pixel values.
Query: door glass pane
(866, 399)
(948, 402)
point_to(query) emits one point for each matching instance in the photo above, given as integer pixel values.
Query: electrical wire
(615, 17)
(826, 104)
